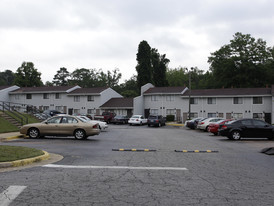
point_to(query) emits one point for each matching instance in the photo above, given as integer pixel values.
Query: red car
(213, 127)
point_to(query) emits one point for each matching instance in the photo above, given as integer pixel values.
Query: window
(91, 111)
(257, 100)
(247, 122)
(59, 108)
(237, 100)
(153, 111)
(76, 111)
(259, 123)
(193, 115)
(193, 100)
(212, 115)
(57, 96)
(76, 98)
(170, 111)
(29, 96)
(45, 96)
(69, 120)
(90, 98)
(17, 96)
(237, 115)
(45, 107)
(257, 115)
(211, 100)
(170, 98)
(154, 98)
(55, 120)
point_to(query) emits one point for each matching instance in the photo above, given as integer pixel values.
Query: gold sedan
(61, 126)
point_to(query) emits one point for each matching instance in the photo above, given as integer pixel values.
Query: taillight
(202, 122)
(95, 126)
(224, 127)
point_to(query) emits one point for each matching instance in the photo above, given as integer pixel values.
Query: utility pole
(189, 93)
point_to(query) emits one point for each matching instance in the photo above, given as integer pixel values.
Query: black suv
(156, 120)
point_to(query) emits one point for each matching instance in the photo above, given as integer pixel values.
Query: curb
(134, 150)
(197, 151)
(173, 124)
(12, 138)
(24, 162)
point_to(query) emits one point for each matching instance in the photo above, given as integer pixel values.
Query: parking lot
(163, 166)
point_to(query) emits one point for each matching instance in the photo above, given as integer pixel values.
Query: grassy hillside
(5, 126)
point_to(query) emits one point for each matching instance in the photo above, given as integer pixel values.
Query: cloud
(105, 34)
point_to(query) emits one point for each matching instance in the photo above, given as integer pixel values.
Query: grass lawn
(12, 153)
(5, 126)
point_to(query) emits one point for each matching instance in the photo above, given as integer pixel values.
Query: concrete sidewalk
(10, 136)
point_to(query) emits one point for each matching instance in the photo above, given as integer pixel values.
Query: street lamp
(189, 93)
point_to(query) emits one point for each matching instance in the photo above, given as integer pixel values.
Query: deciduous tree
(27, 76)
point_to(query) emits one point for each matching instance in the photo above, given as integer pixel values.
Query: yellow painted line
(196, 151)
(134, 150)
(23, 162)
(121, 149)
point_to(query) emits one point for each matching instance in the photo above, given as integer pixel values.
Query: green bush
(170, 118)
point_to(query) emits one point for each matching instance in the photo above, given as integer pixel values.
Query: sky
(105, 34)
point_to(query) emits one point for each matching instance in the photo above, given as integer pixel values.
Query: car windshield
(82, 119)
(118, 117)
(230, 122)
(220, 121)
(135, 116)
(152, 117)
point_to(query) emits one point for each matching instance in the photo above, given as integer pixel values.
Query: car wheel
(100, 128)
(141, 123)
(159, 124)
(80, 134)
(215, 134)
(148, 125)
(235, 135)
(33, 133)
(206, 129)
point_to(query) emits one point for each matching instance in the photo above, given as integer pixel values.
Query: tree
(110, 79)
(159, 68)
(61, 78)
(129, 87)
(143, 68)
(84, 77)
(242, 63)
(27, 76)
(6, 78)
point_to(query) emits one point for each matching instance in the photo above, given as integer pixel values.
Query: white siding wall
(4, 93)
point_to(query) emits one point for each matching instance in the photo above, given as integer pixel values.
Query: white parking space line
(114, 167)
(10, 194)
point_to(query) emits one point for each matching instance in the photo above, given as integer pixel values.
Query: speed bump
(134, 150)
(197, 151)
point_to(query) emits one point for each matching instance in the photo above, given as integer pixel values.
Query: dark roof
(94, 90)
(167, 90)
(43, 89)
(4, 87)
(228, 92)
(119, 102)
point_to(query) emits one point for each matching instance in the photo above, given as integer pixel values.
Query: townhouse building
(66, 99)
(177, 101)
(226, 103)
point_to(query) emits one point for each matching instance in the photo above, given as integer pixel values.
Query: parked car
(102, 125)
(192, 124)
(156, 120)
(213, 127)
(61, 126)
(51, 113)
(237, 129)
(106, 117)
(203, 125)
(120, 119)
(137, 119)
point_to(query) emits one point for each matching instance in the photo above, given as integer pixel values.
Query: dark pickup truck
(105, 117)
